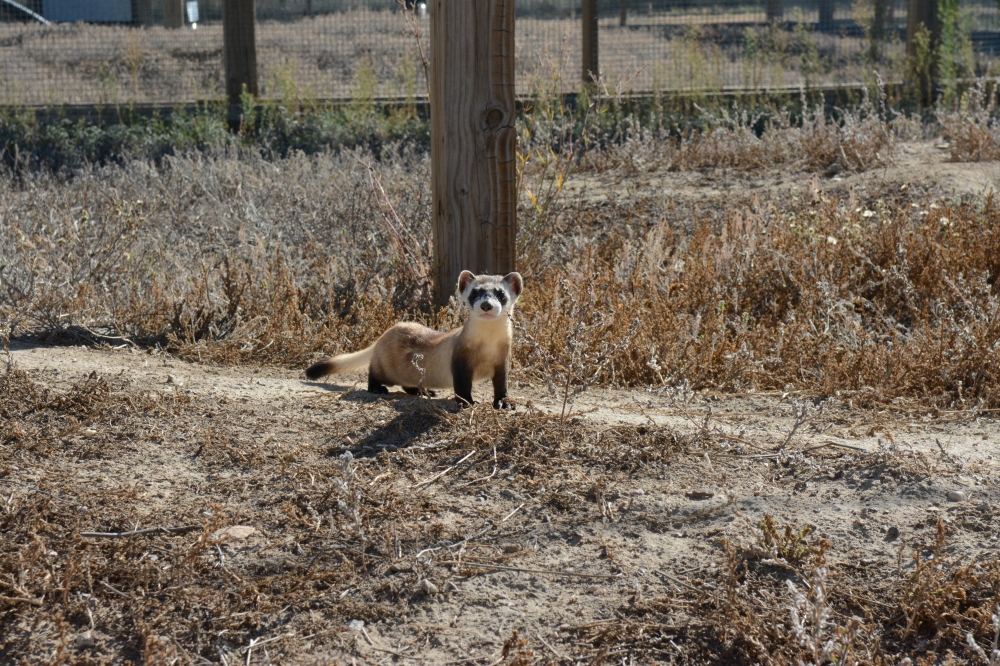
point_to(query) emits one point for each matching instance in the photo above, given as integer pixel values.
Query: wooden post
(881, 8)
(622, 13)
(590, 62)
(825, 15)
(142, 12)
(922, 66)
(240, 47)
(775, 10)
(921, 12)
(473, 140)
(173, 13)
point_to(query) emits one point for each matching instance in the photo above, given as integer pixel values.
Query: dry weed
(973, 130)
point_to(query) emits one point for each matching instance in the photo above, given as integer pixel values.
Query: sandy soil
(555, 554)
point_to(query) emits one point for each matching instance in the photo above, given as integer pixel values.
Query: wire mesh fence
(106, 52)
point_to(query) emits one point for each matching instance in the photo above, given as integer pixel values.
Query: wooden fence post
(240, 47)
(921, 12)
(142, 12)
(825, 15)
(622, 13)
(922, 65)
(590, 67)
(775, 10)
(173, 13)
(473, 139)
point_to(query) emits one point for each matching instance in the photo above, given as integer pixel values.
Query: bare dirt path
(470, 525)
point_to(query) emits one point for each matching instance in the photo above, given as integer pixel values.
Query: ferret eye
(501, 296)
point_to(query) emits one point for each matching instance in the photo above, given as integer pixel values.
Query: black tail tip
(319, 369)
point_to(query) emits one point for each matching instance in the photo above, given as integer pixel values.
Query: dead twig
(838, 444)
(547, 572)
(149, 530)
(423, 484)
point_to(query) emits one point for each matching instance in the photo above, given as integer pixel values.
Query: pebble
(984, 506)
(511, 548)
(234, 532)
(892, 532)
(703, 493)
(356, 625)
(427, 587)
(638, 491)
(957, 496)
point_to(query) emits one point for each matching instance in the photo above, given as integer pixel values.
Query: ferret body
(419, 358)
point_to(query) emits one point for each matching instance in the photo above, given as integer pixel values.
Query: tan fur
(416, 357)
(392, 356)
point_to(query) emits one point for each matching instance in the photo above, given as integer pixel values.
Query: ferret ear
(515, 283)
(464, 279)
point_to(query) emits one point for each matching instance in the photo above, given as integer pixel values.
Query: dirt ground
(549, 538)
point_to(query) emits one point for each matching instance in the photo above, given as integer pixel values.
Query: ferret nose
(486, 306)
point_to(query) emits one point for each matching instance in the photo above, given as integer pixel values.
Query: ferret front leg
(500, 400)
(461, 375)
(375, 385)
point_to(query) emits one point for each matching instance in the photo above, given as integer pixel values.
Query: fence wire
(107, 52)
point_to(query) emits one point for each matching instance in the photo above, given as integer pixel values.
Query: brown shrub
(972, 130)
(236, 259)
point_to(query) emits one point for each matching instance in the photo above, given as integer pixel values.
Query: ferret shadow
(415, 416)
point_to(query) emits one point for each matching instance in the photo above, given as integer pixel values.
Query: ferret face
(489, 297)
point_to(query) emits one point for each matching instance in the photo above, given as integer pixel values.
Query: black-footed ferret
(420, 358)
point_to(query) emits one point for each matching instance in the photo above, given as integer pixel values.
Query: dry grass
(858, 140)
(343, 538)
(973, 130)
(233, 258)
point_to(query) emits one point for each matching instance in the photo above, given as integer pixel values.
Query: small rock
(84, 640)
(638, 491)
(593, 589)
(171, 379)
(427, 587)
(234, 532)
(508, 494)
(703, 493)
(984, 506)
(892, 532)
(356, 625)
(89, 432)
(511, 548)
(957, 496)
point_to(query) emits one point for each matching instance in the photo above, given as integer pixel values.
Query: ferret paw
(463, 403)
(378, 389)
(504, 403)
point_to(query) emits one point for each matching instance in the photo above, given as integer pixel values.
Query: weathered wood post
(622, 13)
(239, 45)
(922, 63)
(590, 66)
(473, 139)
(775, 10)
(825, 15)
(142, 12)
(173, 14)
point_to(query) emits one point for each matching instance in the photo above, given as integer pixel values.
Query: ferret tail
(335, 365)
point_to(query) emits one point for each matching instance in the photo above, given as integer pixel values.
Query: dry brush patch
(238, 259)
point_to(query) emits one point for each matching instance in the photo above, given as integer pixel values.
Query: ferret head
(489, 297)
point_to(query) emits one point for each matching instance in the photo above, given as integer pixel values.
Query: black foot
(464, 402)
(375, 386)
(412, 390)
(504, 403)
